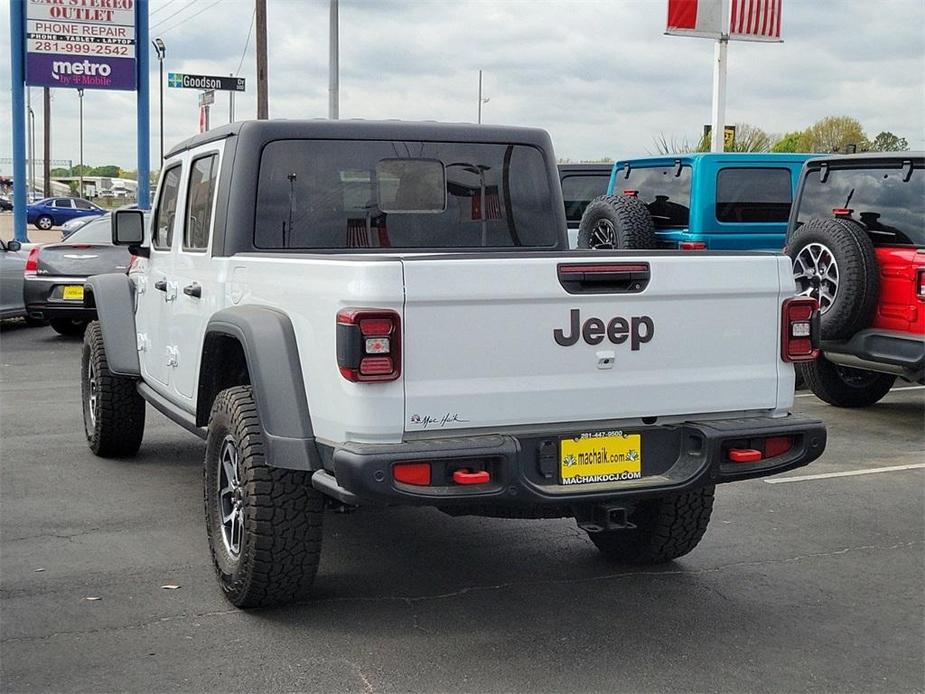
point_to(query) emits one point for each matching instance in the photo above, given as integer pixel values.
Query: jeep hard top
(355, 313)
(713, 201)
(857, 240)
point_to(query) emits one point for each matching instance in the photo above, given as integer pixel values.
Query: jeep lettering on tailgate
(638, 330)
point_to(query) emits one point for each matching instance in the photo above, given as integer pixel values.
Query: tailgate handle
(604, 278)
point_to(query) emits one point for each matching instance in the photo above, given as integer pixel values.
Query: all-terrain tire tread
(630, 217)
(120, 420)
(282, 526)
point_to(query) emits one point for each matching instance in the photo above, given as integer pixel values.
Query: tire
(44, 222)
(113, 411)
(834, 262)
(845, 387)
(268, 552)
(616, 222)
(69, 327)
(666, 528)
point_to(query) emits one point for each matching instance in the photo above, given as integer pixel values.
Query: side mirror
(13, 245)
(128, 227)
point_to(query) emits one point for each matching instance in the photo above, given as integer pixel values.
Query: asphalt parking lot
(806, 585)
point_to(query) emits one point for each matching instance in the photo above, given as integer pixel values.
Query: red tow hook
(744, 455)
(467, 477)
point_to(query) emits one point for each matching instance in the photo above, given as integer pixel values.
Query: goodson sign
(86, 44)
(184, 81)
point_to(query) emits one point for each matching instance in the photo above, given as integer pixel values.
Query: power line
(173, 14)
(246, 42)
(186, 19)
(163, 7)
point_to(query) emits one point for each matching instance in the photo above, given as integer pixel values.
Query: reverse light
(32, 262)
(368, 344)
(920, 283)
(799, 333)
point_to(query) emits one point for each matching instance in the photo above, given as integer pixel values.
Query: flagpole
(719, 83)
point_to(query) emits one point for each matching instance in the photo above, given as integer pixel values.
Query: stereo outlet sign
(81, 44)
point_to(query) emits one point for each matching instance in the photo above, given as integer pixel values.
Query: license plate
(600, 457)
(73, 292)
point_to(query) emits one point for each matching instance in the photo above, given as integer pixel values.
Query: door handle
(193, 290)
(161, 285)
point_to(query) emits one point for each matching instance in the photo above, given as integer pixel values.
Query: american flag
(749, 20)
(756, 20)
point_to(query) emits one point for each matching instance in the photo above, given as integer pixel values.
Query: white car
(355, 313)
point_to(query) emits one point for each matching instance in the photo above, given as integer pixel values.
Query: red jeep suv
(857, 240)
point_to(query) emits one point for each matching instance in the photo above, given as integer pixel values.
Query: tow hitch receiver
(603, 517)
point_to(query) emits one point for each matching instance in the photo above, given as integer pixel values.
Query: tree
(749, 138)
(109, 171)
(888, 142)
(788, 142)
(832, 134)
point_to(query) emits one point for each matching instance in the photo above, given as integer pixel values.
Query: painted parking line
(851, 473)
(892, 390)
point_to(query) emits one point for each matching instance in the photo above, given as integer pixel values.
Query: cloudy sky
(598, 74)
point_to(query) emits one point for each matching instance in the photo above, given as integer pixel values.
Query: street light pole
(161, 50)
(333, 64)
(481, 100)
(80, 96)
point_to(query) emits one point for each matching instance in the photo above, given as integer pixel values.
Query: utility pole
(161, 49)
(46, 92)
(334, 65)
(231, 103)
(263, 111)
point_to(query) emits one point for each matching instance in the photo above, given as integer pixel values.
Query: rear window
(97, 231)
(331, 194)
(666, 191)
(753, 195)
(891, 209)
(579, 190)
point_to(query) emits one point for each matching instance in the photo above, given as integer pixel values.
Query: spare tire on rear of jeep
(834, 262)
(613, 222)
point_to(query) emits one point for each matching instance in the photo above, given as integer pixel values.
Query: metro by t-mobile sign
(85, 44)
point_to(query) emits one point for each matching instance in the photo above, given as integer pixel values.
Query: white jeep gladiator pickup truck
(355, 313)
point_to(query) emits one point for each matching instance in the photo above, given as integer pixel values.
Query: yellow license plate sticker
(73, 292)
(610, 457)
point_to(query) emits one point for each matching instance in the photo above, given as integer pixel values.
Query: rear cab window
(753, 195)
(665, 190)
(200, 200)
(890, 208)
(578, 190)
(370, 194)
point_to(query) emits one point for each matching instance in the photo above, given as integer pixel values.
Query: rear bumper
(43, 300)
(524, 468)
(898, 353)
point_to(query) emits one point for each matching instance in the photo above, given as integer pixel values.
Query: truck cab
(714, 201)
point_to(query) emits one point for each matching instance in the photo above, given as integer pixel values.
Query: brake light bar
(368, 344)
(32, 262)
(800, 329)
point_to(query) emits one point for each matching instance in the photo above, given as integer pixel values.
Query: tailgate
(491, 341)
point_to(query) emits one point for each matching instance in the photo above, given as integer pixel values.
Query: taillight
(368, 344)
(32, 261)
(800, 329)
(692, 246)
(920, 283)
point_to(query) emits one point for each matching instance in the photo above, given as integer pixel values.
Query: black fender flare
(272, 355)
(113, 296)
